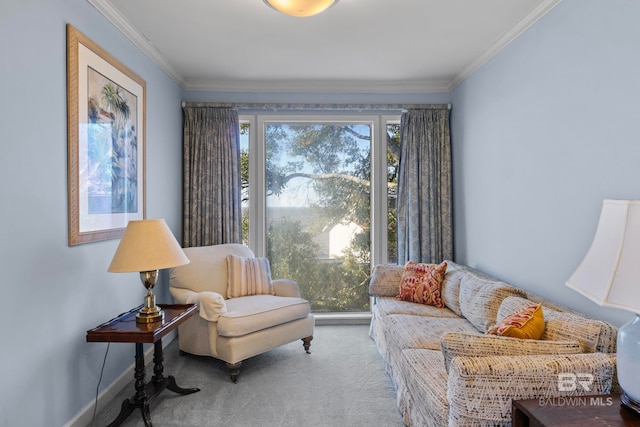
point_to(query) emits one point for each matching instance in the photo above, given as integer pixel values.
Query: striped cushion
(248, 276)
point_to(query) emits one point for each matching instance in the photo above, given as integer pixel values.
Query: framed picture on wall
(106, 142)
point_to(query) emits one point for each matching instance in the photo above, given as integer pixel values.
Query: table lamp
(146, 247)
(610, 276)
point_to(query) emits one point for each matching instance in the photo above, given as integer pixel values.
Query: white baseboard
(363, 318)
(85, 416)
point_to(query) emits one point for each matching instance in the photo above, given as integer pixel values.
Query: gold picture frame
(106, 142)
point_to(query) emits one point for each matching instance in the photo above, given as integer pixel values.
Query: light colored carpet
(341, 383)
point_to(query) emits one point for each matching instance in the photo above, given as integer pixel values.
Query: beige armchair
(237, 328)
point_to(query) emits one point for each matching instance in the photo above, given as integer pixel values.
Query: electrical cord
(104, 361)
(95, 405)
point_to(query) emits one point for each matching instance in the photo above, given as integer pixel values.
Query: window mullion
(256, 185)
(379, 193)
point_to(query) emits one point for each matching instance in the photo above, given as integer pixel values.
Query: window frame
(257, 171)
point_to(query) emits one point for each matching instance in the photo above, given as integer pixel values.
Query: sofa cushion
(385, 280)
(527, 323)
(480, 300)
(450, 289)
(248, 276)
(461, 344)
(421, 283)
(405, 331)
(390, 305)
(253, 313)
(594, 335)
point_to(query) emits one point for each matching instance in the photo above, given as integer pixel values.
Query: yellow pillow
(527, 323)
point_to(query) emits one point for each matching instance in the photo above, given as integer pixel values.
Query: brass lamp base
(150, 313)
(630, 403)
(152, 316)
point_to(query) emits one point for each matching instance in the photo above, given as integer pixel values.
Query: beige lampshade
(147, 245)
(610, 272)
(300, 8)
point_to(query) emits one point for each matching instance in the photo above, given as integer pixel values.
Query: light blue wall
(541, 135)
(52, 293)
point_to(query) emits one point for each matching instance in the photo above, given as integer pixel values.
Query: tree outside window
(318, 207)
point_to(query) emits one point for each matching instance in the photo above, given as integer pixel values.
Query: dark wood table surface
(573, 411)
(123, 328)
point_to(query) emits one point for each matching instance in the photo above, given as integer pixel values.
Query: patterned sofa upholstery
(448, 372)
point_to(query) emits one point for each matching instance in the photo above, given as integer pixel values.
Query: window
(245, 131)
(393, 164)
(317, 204)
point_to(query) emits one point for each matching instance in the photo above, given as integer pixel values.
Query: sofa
(446, 369)
(239, 315)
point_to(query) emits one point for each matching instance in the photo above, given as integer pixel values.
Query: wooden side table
(571, 411)
(125, 329)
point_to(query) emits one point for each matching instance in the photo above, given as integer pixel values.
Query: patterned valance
(317, 107)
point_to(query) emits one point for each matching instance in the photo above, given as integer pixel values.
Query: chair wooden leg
(234, 370)
(306, 342)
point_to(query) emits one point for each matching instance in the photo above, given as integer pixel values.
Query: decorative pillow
(463, 344)
(527, 323)
(421, 283)
(248, 276)
(385, 279)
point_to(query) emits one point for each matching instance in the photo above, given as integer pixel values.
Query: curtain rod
(321, 107)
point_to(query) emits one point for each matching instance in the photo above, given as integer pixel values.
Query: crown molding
(506, 39)
(137, 38)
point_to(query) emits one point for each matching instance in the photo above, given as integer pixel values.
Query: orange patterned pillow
(527, 323)
(421, 283)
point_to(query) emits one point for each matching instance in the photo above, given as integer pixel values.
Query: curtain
(211, 182)
(424, 187)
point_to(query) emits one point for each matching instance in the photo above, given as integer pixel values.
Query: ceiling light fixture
(301, 8)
